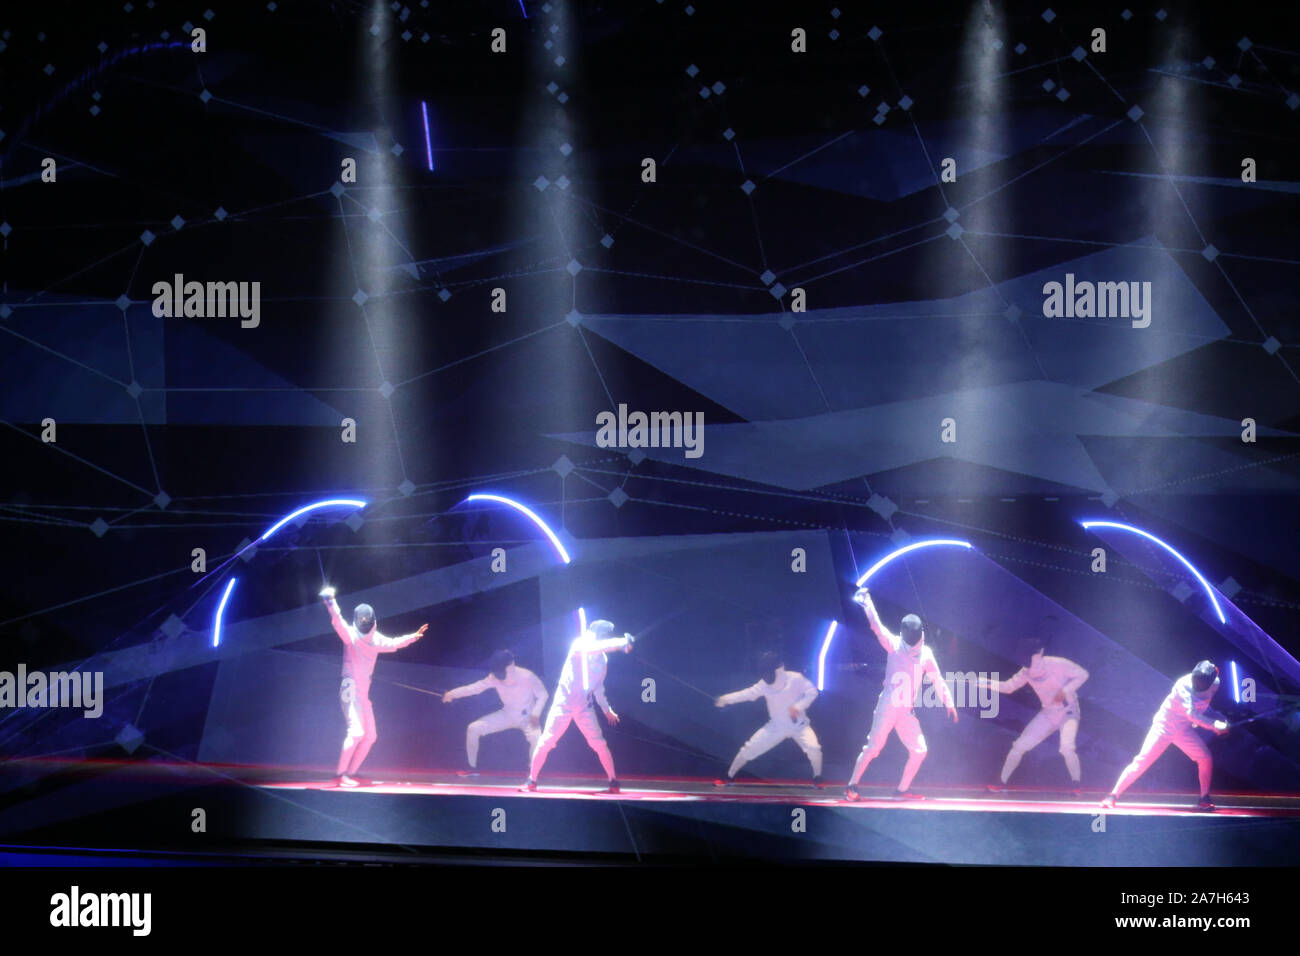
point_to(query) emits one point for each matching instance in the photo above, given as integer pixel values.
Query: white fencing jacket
(789, 688)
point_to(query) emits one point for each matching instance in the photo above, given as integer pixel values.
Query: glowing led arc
(1152, 538)
(914, 546)
(953, 542)
(221, 610)
(1236, 684)
(330, 503)
(532, 516)
(821, 658)
(428, 147)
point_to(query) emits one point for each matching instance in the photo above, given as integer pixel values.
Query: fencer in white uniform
(788, 695)
(522, 696)
(908, 661)
(580, 691)
(362, 645)
(1186, 708)
(1056, 681)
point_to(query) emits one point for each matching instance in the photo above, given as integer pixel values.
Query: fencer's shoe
(613, 787)
(1108, 802)
(529, 787)
(724, 782)
(1205, 804)
(851, 794)
(907, 795)
(819, 783)
(467, 773)
(996, 787)
(346, 781)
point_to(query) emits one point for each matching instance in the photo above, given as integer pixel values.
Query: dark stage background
(776, 171)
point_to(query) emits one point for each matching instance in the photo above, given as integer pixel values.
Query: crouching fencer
(1056, 681)
(362, 645)
(788, 695)
(522, 698)
(908, 660)
(1186, 708)
(581, 688)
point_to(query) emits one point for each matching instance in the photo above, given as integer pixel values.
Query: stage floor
(786, 792)
(425, 816)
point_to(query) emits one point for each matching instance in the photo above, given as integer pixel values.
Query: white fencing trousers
(891, 717)
(1158, 739)
(361, 734)
(1040, 727)
(494, 723)
(557, 722)
(771, 734)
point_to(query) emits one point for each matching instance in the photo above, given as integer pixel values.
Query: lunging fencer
(522, 696)
(362, 645)
(581, 689)
(908, 659)
(788, 695)
(1186, 708)
(1056, 681)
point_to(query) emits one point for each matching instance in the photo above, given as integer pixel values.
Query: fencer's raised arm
(740, 696)
(607, 645)
(469, 690)
(336, 617)
(386, 644)
(1008, 686)
(540, 695)
(887, 639)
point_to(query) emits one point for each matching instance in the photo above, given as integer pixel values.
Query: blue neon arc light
(951, 542)
(1209, 591)
(331, 503)
(821, 658)
(428, 148)
(1236, 684)
(914, 546)
(532, 516)
(328, 503)
(221, 610)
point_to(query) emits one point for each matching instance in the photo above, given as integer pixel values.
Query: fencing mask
(768, 664)
(499, 662)
(1204, 676)
(911, 630)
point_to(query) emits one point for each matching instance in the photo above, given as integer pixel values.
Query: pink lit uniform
(359, 655)
(582, 685)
